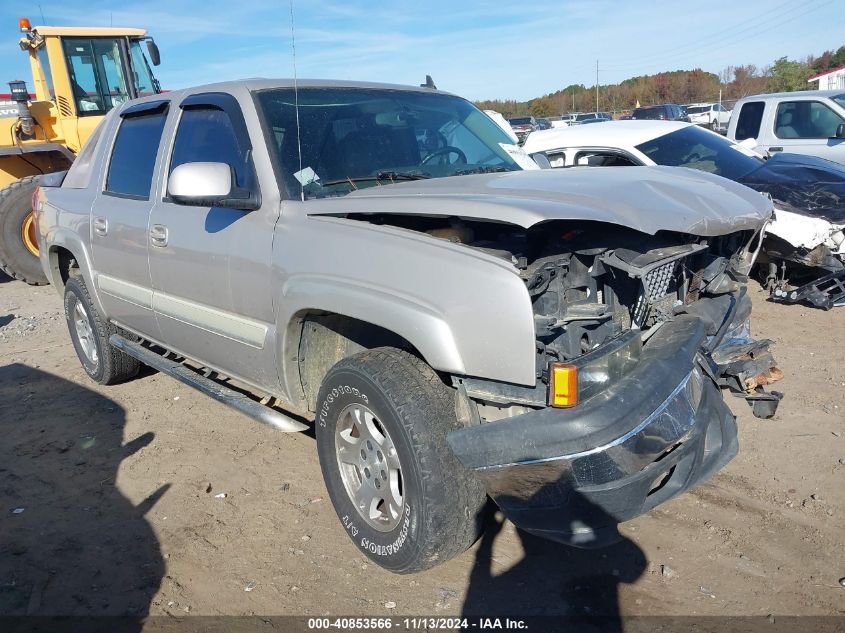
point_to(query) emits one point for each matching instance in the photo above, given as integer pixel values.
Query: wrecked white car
(383, 262)
(807, 233)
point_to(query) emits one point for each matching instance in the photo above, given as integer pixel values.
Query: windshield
(697, 109)
(520, 121)
(355, 137)
(697, 148)
(145, 83)
(840, 100)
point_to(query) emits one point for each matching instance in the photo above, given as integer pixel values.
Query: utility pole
(597, 86)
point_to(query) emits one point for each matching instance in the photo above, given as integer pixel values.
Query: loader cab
(85, 72)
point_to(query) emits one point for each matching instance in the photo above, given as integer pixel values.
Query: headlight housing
(574, 382)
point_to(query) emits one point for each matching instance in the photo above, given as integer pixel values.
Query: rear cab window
(133, 156)
(749, 120)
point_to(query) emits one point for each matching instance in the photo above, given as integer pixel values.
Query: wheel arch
(313, 339)
(64, 248)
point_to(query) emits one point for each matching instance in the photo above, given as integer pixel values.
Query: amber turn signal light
(563, 385)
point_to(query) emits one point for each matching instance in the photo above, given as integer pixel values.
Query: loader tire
(16, 228)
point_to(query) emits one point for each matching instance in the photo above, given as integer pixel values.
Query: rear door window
(750, 118)
(134, 154)
(806, 119)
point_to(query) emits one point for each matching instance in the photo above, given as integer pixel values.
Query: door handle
(101, 226)
(158, 235)
(775, 149)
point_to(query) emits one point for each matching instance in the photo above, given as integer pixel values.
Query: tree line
(678, 86)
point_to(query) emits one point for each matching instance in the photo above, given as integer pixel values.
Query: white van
(807, 122)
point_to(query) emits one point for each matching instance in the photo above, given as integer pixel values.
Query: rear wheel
(399, 491)
(90, 335)
(18, 241)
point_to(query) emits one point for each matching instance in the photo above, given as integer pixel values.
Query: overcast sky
(479, 49)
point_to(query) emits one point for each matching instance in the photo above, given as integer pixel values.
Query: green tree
(788, 76)
(542, 107)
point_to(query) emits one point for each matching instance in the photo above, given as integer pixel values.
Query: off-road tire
(442, 501)
(15, 205)
(111, 365)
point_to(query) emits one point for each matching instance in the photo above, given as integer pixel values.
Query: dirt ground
(149, 498)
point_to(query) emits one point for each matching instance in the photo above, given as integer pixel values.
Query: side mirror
(840, 131)
(203, 184)
(541, 159)
(152, 49)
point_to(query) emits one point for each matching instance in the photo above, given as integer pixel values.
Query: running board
(221, 393)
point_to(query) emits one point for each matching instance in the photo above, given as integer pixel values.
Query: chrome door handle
(101, 226)
(158, 235)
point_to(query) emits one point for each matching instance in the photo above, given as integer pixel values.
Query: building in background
(831, 80)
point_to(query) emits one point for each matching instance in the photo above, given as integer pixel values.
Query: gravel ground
(149, 498)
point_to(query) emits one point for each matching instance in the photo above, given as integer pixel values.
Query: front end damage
(655, 327)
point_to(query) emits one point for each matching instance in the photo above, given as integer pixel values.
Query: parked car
(665, 112)
(712, 115)
(591, 117)
(809, 225)
(570, 117)
(523, 126)
(543, 124)
(502, 122)
(383, 262)
(810, 122)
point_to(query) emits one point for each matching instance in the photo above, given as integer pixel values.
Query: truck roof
(797, 93)
(261, 83)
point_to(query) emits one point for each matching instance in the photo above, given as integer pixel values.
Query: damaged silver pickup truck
(384, 262)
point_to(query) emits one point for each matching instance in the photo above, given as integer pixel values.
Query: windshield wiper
(482, 169)
(379, 177)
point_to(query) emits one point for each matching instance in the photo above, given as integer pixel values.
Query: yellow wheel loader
(79, 74)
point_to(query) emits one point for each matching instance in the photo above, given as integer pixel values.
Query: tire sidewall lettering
(333, 395)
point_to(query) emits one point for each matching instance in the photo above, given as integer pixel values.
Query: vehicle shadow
(4, 277)
(72, 544)
(579, 586)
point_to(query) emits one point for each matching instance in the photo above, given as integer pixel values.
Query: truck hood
(646, 199)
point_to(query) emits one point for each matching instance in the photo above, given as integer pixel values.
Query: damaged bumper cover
(572, 474)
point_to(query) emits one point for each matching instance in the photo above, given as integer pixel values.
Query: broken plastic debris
(220, 495)
(390, 605)
(250, 585)
(315, 500)
(18, 510)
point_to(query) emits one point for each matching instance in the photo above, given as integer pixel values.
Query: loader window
(96, 74)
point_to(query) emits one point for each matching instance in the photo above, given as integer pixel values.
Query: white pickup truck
(810, 122)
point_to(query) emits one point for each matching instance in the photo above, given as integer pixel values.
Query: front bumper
(572, 475)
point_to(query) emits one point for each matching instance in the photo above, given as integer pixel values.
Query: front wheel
(400, 493)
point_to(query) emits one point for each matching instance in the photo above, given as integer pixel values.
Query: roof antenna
(296, 106)
(429, 83)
